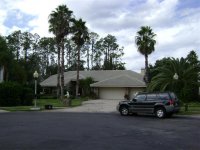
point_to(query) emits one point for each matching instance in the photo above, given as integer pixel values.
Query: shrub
(27, 97)
(48, 96)
(9, 94)
(13, 94)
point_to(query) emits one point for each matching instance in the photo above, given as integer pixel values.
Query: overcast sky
(176, 23)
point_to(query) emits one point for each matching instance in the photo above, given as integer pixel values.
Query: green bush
(13, 94)
(27, 97)
(9, 94)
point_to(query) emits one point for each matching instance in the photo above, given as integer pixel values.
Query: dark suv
(161, 104)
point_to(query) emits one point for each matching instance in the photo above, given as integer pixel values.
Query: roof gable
(119, 81)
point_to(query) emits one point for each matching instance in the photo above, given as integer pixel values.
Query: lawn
(193, 108)
(42, 102)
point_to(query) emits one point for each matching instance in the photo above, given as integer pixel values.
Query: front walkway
(99, 105)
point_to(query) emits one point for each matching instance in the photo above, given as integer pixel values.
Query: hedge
(13, 94)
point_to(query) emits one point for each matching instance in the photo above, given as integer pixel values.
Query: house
(109, 84)
(1, 73)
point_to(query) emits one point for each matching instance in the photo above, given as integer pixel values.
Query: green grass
(193, 108)
(54, 102)
(42, 102)
(17, 108)
(76, 102)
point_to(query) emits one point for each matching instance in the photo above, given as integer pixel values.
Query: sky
(176, 23)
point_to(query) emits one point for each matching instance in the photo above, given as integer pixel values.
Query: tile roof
(117, 78)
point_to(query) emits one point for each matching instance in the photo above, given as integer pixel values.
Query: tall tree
(6, 57)
(97, 55)
(60, 25)
(14, 43)
(70, 53)
(192, 59)
(112, 53)
(27, 42)
(145, 43)
(47, 51)
(93, 39)
(36, 39)
(80, 35)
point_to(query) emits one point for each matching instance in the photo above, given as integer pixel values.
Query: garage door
(112, 93)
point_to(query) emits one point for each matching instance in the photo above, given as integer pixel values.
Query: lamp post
(35, 76)
(175, 76)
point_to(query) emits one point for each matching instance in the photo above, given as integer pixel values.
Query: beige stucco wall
(117, 93)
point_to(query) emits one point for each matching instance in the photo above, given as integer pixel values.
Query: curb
(188, 116)
(3, 111)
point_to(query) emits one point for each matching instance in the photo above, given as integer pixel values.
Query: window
(151, 97)
(164, 96)
(141, 97)
(173, 96)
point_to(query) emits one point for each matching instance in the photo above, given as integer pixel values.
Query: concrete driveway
(99, 105)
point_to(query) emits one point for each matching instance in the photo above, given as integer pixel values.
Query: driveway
(98, 106)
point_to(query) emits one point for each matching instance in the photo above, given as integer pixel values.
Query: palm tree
(60, 25)
(145, 42)
(80, 35)
(176, 75)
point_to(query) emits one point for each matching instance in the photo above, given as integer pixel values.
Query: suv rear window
(164, 96)
(173, 96)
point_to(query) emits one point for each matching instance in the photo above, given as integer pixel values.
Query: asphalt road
(89, 131)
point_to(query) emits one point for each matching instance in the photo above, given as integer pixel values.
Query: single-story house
(109, 84)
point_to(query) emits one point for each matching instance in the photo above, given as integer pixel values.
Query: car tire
(160, 112)
(124, 111)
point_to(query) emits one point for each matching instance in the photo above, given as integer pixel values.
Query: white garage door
(112, 93)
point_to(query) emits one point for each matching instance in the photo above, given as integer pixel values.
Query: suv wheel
(160, 112)
(124, 111)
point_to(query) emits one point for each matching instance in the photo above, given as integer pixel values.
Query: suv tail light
(171, 102)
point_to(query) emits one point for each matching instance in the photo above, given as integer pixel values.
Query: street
(96, 131)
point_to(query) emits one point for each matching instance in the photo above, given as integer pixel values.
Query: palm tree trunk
(67, 56)
(146, 69)
(77, 77)
(58, 73)
(92, 56)
(88, 59)
(17, 55)
(62, 70)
